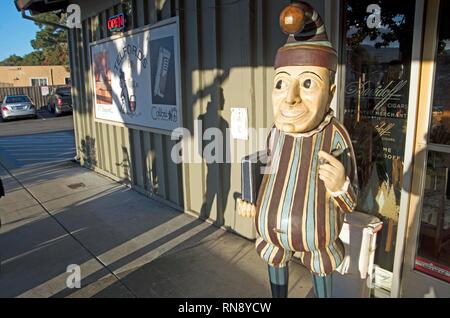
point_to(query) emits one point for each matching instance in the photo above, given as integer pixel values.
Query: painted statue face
(301, 97)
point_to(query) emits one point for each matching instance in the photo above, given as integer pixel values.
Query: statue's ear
(332, 91)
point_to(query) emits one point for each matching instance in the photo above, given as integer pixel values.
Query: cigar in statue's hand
(335, 153)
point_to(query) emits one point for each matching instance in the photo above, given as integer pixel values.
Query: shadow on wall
(218, 171)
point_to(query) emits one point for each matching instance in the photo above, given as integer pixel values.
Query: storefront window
(440, 127)
(433, 254)
(378, 48)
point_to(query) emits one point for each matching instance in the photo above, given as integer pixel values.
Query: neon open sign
(116, 23)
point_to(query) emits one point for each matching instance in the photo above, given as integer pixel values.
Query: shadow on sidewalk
(155, 250)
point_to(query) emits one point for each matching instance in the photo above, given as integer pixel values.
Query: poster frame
(178, 74)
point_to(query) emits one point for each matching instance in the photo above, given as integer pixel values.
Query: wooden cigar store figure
(311, 178)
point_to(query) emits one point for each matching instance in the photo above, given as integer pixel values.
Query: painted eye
(280, 85)
(307, 84)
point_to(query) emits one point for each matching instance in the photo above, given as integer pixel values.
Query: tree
(52, 41)
(50, 44)
(33, 58)
(397, 25)
(12, 60)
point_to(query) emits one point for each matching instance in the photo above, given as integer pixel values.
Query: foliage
(52, 41)
(33, 58)
(12, 60)
(396, 24)
(50, 45)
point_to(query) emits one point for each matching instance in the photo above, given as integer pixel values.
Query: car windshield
(63, 91)
(17, 99)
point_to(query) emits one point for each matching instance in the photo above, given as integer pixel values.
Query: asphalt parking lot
(44, 140)
(46, 122)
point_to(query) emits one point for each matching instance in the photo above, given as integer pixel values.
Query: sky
(15, 32)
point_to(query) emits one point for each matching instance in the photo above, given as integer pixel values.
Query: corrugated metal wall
(227, 53)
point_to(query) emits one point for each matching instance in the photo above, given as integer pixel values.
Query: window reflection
(378, 61)
(433, 255)
(440, 129)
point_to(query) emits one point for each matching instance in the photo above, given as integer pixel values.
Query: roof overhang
(41, 6)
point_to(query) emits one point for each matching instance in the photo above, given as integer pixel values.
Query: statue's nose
(293, 93)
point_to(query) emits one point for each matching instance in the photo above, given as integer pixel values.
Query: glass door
(426, 269)
(378, 54)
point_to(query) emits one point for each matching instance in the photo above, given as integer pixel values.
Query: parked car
(60, 101)
(14, 106)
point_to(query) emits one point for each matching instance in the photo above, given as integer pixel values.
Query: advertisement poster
(136, 78)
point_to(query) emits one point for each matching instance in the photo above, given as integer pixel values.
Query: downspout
(42, 21)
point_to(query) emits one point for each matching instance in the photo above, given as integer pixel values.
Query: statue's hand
(246, 209)
(332, 172)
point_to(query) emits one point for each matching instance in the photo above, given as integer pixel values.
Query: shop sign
(116, 23)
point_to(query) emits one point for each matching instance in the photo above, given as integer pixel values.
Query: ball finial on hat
(292, 19)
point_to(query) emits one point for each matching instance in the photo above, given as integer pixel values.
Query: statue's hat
(308, 43)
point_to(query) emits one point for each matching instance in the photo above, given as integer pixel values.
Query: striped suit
(295, 212)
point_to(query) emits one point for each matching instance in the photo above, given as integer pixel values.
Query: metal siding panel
(73, 72)
(152, 157)
(138, 166)
(160, 166)
(102, 25)
(174, 178)
(122, 154)
(93, 36)
(167, 9)
(125, 144)
(82, 108)
(145, 141)
(211, 81)
(99, 148)
(97, 28)
(101, 133)
(140, 12)
(152, 10)
(238, 90)
(112, 169)
(95, 33)
(261, 103)
(134, 13)
(145, 12)
(194, 183)
(90, 92)
(144, 146)
(76, 90)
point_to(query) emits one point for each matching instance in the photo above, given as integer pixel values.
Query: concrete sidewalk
(126, 244)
